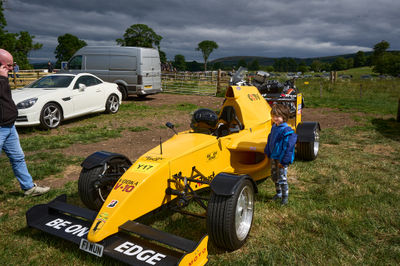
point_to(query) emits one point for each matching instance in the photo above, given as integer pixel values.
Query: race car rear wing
(295, 103)
(134, 244)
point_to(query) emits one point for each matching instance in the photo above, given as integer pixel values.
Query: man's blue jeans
(9, 143)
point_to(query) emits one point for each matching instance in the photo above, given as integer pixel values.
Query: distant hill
(269, 61)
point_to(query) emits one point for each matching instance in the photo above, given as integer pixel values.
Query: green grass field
(343, 207)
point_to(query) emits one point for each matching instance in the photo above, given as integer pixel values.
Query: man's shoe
(36, 191)
(276, 197)
(284, 201)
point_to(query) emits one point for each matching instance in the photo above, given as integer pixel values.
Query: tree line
(19, 44)
(382, 61)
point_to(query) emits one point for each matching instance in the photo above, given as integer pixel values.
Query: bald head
(6, 60)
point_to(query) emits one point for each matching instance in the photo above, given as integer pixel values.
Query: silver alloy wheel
(113, 103)
(52, 116)
(244, 213)
(103, 192)
(316, 142)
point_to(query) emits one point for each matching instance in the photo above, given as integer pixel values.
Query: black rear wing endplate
(134, 244)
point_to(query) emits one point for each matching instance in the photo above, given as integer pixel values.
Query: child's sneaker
(276, 197)
(36, 191)
(284, 201)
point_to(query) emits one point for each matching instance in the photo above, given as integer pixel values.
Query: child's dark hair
(281, 110)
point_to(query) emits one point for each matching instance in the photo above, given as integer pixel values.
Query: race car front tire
(229, 218)
(96, 183)
(90, 195)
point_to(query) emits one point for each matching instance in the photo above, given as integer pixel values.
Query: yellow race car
(223, 154)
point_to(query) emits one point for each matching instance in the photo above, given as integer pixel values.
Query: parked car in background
(54, 98)
(366, 77)
(136, 70)
(345, 76)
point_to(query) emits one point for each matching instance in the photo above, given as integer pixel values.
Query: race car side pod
(148, 246)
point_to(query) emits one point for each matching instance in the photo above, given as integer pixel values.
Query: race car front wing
(134, 244)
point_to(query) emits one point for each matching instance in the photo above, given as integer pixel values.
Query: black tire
(123, 91)
(112, 104)
(50, 116)
(308, 151)
(228, 223)
(96, 183)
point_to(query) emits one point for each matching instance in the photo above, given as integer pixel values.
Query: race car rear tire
(229, 218)
(96, 183)
(308, 151)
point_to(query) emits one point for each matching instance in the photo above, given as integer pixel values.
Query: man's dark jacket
(8, 110)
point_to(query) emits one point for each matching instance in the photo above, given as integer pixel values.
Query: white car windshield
(52, 82)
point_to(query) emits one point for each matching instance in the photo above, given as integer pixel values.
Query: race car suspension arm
(108, 177)
(186, 193)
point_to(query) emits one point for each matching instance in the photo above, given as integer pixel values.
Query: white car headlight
(27, 103)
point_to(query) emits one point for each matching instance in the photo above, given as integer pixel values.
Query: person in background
(16, 69)
(280, 149)
(9, 139)
(50, 67)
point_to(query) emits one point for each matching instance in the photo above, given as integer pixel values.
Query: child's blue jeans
(9, 143)
(279, 176)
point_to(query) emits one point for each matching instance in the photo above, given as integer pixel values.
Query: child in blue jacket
(280, 149)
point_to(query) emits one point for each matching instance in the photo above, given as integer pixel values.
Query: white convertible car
(54, 98)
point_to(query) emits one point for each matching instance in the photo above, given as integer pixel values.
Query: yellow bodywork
(198, 257)
(142, 188)
(228, 159)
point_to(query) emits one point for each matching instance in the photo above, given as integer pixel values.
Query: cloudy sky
(271, 28)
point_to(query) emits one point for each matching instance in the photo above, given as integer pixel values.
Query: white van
(136, 70)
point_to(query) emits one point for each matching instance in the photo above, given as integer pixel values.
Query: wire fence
(199, 83)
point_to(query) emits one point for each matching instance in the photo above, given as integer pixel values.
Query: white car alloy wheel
(50, 116)
(112, 104)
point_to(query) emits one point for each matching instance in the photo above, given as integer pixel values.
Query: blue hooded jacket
(281, 144)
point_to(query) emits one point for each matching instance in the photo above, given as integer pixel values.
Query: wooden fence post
(320, 90)
(14, 79)
(398, 111)
(219, 81)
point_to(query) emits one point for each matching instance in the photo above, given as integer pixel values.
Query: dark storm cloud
(302, 28)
